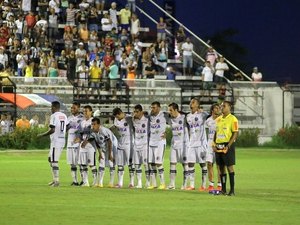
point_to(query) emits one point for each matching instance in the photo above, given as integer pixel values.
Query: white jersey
(125, 129)
(210, 123)
(73, 124)
(179, 131)
(58, 121)
(141, 131)
(5, 127)
(85, 128)
(101, 138)
(196, 129)
(158, 126)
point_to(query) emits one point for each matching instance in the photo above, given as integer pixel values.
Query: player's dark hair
(138, 107)
(88, 107)
(228, 103)
(116, 111)
(156, 103)
(213, 106)
(97, 120)
(174, 106)
(76, 103)
(55, 105)
(197, 100)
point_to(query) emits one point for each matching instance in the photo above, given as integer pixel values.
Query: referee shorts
(227, 159)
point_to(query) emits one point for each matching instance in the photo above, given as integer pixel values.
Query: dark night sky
(269, 30)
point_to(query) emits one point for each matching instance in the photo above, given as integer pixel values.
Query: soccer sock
(185, 174)
(112, 175)
(211, 183)
(81, 173)
(161, 174)
(192, 176)
(231, 180)
(223, 182)
(147, 174)
(204, 175)
(55, 172)
(94, 174)
(74, 173)
(139, 175)
(120, 175)
(131, 175)
(154, 174)
(85, 174)
(172, 175)
(101, 172)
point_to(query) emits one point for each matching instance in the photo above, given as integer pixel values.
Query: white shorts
(140, 155)
(178, 155)
(72, 155)
(123, 156)
(104, 161)
(55, 152)
(210, 155)
(197, 155)
(87, 155)
(156, 153)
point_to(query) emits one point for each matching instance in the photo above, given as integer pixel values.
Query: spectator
(80, 54)
(20, 26)
(124, 65)
(131, 4)
(28, 74)
(54, 4)
(62, 64)
(106, 24)
(70, 15)
(187, 48)
(22, 59)
(221, 67)
(84, 35)
(207, 78)
(43, 67)
(93, 19)
(68, 39)
(114, 15)
(222, 93)
(125, 15)
(238, 76)
(4, 34)
(135, 27)
(95, 78)
(113, 77)
(211, 56)
(180, 38)
(71, 65)
(3, 57)
(83, 76)
(53, 27)
(34, 121)
(161, 29)
(23, 123)
(124, 38)
(171, 73)
(256, 75)
(52, 75)
(43, 7)
(150, 73)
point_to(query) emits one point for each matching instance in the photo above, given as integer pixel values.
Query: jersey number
(62, 126)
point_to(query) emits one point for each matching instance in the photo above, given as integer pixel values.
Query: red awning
(21, 101)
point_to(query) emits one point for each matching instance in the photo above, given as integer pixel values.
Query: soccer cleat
(55, 184)
(74, 184)
(210, 188)
(130, 186)
(219, 188)
(151, 187)
(171, 187)
(81, 183)
(110, 185)
(190, 188)
(51, 183)
(100, 185)
(85, 185)
(139, 186)
(118, 186)
(231, 193)
(202, 189)
(162, 187)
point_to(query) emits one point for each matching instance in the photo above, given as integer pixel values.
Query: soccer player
(108, 144)
(179, 144)
(225, 136)
(57, 131)
(87, 152)
(210, 124)
(74, 121)
(198, 143)
(140, 149)
(157, 144)
(125, 146)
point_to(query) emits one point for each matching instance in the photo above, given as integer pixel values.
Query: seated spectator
(34, 122)
(124, 38)
(238, 76)
(23, 123)
(171, 73)
(256, 75)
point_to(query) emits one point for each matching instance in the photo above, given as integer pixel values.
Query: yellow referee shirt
(225, 127)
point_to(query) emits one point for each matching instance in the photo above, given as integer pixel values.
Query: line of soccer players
(138, 140)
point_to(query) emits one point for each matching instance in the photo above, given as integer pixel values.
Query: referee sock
(112, 175)
(55, 172)
(172, 175)
(192, 176)
(204, 175)
(231, 180)
(101, 171)
(161, 174)
(74, 173)
(223, 182)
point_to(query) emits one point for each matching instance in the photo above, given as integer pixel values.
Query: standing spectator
(135, 26)
(225, 137)
(161, 29)
(71, 72)
(211, 56)
(4, 34)
(125, 15)
(114, 15)
(70, 15)
(23, 123)
(63, 10)
(124, 38)
(93, 19)
(57, 132)
(106, 24)
(62, 64)
(26, 5)
(30, 19)
(95, 78)
(80, 54)
(124, 66)
(34, 121)
(131, 4)
(84, 35)
(53, 27)
(207, 78)
(28, 75)
(43, 7)
(180, 38)
(55, 4)
(220, 68)
(3, 57)
(256, 75)
(150, 73)
(22, 59)
(113, 77)
(43, 67)
(52, 75)
(187, 48)
(83, 75)
(4, 125)
(20, 25)
(68, 39)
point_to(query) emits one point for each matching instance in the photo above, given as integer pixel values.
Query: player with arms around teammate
(57, 131)
(107, 145)
(210, 124)
(157, 144)
(125, 146)
(74, 121)
(198, 143)
(179, 144)
(87, 152)
(140, 148)
(226, 134)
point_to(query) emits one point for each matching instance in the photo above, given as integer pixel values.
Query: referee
(225, 136)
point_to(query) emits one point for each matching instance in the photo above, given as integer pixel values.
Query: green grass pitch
(267, 192)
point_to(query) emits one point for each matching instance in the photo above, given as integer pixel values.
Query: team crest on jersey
(125, 124)
(196, 119)
(143, 125)
(157, 121)
(180, 122)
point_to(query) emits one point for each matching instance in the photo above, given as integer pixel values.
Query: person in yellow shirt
(225, 137)
(125, 15)
(95, 78)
